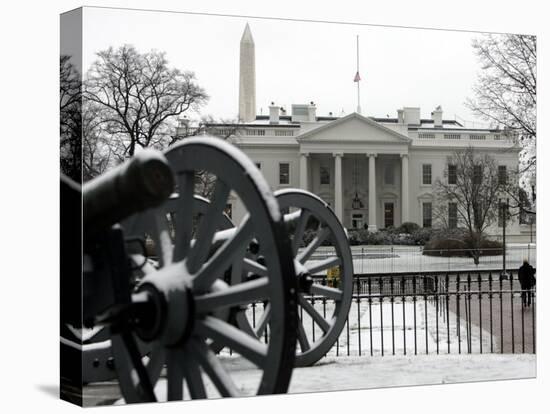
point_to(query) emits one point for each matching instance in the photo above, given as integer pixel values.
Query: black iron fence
(433, 313)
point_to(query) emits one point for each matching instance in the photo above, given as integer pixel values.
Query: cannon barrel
(144, 181)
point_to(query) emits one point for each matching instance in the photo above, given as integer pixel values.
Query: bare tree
(208, 125)
(139, 97)
(506, 90)
(70, 118)
(473, 191)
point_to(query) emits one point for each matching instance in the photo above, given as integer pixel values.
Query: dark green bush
(459, 244)
(389, 236)
(408, 227)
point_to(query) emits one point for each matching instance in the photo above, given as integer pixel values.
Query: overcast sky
(299, 62)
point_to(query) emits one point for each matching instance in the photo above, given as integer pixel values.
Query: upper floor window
(502, 176)
(284, 173)
(324, 173)
(426, 174)
(451, 178)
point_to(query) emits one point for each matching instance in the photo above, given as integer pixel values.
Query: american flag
(357, 77)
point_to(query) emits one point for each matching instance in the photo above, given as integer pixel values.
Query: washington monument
(247, 78)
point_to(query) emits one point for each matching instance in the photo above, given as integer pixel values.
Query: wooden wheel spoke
(323, 264)
(300, 229)
(254, 267)
(302, 338)
(214, 369)
(326, 291)
(174, 373)
(262, 322)
(316, 316)
(234, 338)
(184, 215)
(224, 256)
(239, 294)
(313, 245)
(143, 384)
(161, 237)
(192, 374)
(207, 227)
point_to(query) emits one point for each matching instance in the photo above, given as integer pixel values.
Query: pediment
(353, 128)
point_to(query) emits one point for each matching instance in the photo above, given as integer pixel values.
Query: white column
(404, 188)
(303, 170)
(372, 192)
(338, 185)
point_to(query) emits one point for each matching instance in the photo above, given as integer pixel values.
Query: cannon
(170, 313)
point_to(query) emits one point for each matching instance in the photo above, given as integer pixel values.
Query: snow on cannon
(175, 310)
(309, 222)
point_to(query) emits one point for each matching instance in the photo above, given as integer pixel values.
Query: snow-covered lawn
(347, 373)
(376, 325)
(386, 259)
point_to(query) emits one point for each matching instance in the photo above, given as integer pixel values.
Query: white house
(375, 172)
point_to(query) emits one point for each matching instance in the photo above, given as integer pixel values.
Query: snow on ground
(347, 373)
(344, 372)
(386, 259)
(376, 326)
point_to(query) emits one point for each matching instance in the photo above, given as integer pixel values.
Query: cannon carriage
(181, 313)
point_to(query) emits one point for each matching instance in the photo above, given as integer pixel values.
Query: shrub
(389, 236)
(408, 227)
(458, 243)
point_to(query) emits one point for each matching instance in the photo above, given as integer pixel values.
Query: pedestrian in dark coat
(526, 276)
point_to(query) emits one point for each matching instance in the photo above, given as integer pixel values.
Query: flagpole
(358, 91)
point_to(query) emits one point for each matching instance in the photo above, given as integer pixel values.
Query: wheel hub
(170, 309)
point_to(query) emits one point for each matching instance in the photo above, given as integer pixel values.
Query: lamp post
(504, 274)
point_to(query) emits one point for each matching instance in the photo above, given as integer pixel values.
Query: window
(426, 214)
(389, 175)
(324, 173)
(453, 215)
(258, 165)
(451, 177)
(477, 174)
(427, 174)
(284, 173)
(502, 176)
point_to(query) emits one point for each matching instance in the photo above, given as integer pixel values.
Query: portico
(366, 180)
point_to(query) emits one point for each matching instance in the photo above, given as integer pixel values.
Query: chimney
(437, 116)
(311, 112)
(412, 115)
(273, 114)
(400, 116)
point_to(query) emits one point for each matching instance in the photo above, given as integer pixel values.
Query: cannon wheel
(189, 291)
(307, 212)
(95, 345)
